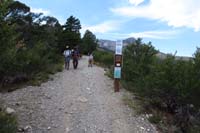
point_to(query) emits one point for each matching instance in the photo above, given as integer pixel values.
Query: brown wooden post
(117, 66)
(116, 85)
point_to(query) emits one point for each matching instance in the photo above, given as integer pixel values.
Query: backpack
(75, 54)
(67, 53)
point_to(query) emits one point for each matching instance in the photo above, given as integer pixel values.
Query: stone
(17, 104)
(67, 130)
(49, 128)
(142, 128)
(27, 127)
(148, 115)
(82, 99)
(10, 111)
(21, 130)
(88, 88)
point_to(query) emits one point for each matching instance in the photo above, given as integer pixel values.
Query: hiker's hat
(67, 46)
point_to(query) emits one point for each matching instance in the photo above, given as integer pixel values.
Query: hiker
(75, 56)
(90, 60)
(67, 54)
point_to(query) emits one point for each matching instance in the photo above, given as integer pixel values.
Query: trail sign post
(117, 64)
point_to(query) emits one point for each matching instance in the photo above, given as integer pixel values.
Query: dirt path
(75, 101)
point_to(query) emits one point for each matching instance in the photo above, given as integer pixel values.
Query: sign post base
(116, 85)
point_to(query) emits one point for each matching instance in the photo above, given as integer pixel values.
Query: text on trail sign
(118, 50)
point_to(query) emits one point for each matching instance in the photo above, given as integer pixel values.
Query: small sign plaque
(118, 50)
(117, 72)
(118, 60)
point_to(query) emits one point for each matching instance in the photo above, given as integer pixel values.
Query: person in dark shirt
(75, 56)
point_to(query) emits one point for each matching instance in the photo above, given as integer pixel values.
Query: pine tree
(89, 42)
(71, 33)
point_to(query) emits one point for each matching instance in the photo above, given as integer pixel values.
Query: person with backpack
(75, 57)
(67, 54)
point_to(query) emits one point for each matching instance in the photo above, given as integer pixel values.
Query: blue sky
(169, 24)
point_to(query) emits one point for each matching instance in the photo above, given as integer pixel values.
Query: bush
(28, 63)
(138, 61)
(104, 58)
(169, 84)
(27, 47)
(155, 119)
(8, 123)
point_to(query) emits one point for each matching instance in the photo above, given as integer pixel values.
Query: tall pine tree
(89, 42)
(71, 33)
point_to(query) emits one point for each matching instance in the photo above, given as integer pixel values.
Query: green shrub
(155, 119)
(8, 123)
(104, 58)
(137, 63)
(169, 84)
(27, 47)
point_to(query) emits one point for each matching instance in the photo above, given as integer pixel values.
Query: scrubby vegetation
(169, 85)
(31, 44)
(8, 123)
(89, 43)
(104, 58)
(169, 88)
(27, 47)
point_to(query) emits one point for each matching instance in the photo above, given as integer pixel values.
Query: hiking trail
(75, 101)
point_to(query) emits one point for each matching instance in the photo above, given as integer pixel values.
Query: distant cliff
(110, 46)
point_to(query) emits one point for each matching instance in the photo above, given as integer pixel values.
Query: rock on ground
(10, 111)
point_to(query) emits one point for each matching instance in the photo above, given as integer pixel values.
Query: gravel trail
(75, 101)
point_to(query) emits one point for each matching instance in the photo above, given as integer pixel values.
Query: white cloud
(177, 13)
(40, 10)
(104, 27)
(154, 34)
(136, 2)
(157, 34)
(48, 13)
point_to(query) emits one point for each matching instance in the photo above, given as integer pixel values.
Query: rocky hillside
(110, 46)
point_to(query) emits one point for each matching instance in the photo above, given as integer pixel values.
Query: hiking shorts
(67, 59)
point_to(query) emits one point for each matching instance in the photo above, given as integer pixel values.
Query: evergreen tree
(28, 43)
(89, 42)
(7, 42)
(72, 25)
(71, 33)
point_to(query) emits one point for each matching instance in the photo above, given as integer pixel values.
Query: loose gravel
(75, 101)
